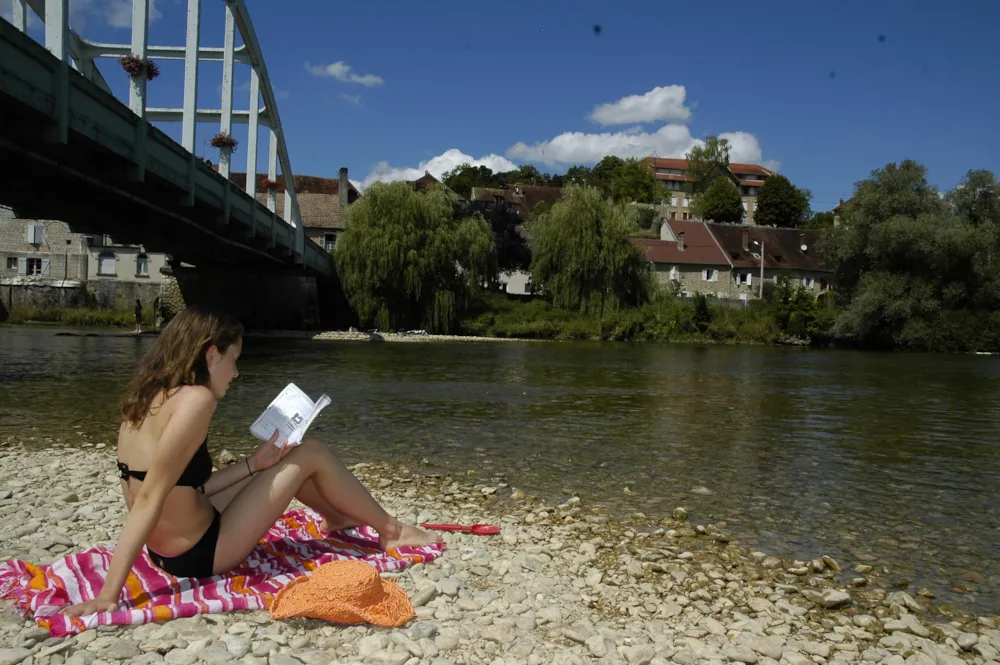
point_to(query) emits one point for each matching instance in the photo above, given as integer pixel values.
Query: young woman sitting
(196, 522)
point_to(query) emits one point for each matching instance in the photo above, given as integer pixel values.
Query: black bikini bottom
(198, 561)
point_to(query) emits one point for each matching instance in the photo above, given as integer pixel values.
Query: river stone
(764, 647)
(282, 659)
(967, 640)
(180, 657)
(595, 644)
(793, 657)
(638, 655)
(13, 656)
(238, 647)
(907, 623)
(406, 643)
(740, 654)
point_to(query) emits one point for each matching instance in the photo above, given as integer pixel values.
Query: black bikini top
(195, 474)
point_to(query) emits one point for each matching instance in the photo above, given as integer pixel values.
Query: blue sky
(825, 91)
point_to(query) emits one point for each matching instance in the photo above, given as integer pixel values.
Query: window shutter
(45, 267)
(704, 275)
(749, 279)
(22, 265)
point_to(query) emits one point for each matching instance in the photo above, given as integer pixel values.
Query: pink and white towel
(292, 547)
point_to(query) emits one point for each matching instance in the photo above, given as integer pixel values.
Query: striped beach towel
(292, 547)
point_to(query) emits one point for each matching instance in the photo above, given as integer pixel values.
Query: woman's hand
(89, 607)
(268, 454)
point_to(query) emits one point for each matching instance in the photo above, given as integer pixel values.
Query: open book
(291, 413)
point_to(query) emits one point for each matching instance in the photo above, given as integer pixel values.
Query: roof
(750, 169)
(319, 198)
(699, 246)
(782, 247)
(736, 169)
(304, 184)
(524, 197)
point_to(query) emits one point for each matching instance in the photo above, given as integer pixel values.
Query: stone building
(42, 262)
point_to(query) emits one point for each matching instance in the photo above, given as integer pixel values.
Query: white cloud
(118, 13)
(663, 103)
(437, 166)
(341, 71)
(354, 100)
(671, 140)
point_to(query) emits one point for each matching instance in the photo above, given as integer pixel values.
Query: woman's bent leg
(262, 501)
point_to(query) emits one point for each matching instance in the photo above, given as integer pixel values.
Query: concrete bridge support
(263, 300)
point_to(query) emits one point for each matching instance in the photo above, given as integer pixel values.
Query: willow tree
(408, 259)
(582, 257)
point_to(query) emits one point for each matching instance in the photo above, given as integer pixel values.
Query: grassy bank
(80, 316)
(665, 320)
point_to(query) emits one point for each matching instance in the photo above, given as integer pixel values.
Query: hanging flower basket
(267, 183)
(136, 67)
(224, 141)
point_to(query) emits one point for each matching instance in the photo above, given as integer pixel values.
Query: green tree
(721, 202)
(780, 203)
(820, 220)
(464, 177)
(977, 197)
(706, 163)
(582, 257)
(406, 260)
(578, 175)
(910, 272)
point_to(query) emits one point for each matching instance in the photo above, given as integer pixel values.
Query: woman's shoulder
(190, 399)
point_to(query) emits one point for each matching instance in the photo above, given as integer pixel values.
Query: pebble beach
(564, 584)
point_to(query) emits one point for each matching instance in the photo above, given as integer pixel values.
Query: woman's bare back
(186, 512)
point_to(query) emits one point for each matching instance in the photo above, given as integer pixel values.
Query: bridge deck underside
(95, 190)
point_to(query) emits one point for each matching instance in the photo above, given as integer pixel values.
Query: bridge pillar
(262, 300)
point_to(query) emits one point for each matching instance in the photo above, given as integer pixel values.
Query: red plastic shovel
(475, 529)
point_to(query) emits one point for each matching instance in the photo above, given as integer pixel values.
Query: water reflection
(802, 452)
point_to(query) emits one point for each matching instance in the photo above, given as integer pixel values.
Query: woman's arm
(234, 473)
(228, 476)
(184, 432)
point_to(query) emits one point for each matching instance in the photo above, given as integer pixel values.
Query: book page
(300, 431)
(286, 414)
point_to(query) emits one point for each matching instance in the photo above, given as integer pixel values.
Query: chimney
(342, 187)
(746, 240)
(680, 241)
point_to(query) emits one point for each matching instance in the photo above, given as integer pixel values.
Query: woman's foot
(336, 522)
(406, 535)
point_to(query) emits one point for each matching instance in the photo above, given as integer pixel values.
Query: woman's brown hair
(178, 358)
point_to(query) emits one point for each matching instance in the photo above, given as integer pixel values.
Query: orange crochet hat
(346, 592)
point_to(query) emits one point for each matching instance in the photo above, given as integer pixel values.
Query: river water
(889, 459)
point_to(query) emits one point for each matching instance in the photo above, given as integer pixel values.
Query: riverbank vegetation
(914, 270)
(79, 316)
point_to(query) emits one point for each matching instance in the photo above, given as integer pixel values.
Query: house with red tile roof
(724, 260)
(687, 254)
(790, 252)
(323, 202)
(523, 198)
(674, 174)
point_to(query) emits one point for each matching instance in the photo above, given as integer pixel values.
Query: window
(329, 241)
(744, 278)
(142, 265)
(33, 234)
(823, 285)
(808, 282)
(673, 214)
(709, 275)
(33, 267)
(106, 265)
(11, 263)
(746, 206)
(673, 201)
(674, 273)
(687, 202)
